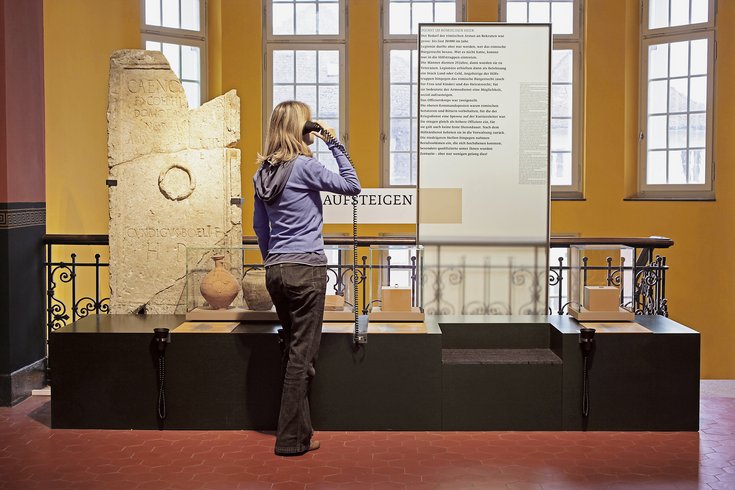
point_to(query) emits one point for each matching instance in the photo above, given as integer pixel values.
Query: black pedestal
(463, 373)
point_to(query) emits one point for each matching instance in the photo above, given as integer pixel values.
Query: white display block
(483, 154)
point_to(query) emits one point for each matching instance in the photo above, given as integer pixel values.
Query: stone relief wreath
(176, 182)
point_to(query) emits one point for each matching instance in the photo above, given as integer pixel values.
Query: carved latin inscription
(175, 178)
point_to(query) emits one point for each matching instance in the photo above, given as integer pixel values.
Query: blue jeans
(298, 293)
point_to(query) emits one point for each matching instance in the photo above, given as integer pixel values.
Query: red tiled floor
(34, 456)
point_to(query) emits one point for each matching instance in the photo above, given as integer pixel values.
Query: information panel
(484, 133)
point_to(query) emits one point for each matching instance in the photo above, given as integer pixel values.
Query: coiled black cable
(161, 387)
(331, 140)
(585, 388)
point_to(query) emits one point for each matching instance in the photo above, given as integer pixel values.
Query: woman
(288, 223)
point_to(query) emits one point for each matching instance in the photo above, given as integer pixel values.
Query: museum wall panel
(81, 34)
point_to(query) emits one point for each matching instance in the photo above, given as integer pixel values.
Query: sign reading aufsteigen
(483, 132)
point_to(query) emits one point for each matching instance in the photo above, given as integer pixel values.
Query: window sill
(567, 196)
(705, 196)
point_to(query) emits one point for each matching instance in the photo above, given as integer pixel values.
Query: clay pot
(254, 290)
(219, 287)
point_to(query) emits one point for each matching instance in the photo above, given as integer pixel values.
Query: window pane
(153, 12)
(414, 134)
(679, 66)
(400, 168)
(656, 167)
(658, 14)
(696, 167)
(679, 12)
(328, 66)
(306, 67)
(656, 132)
(307, 95)
(561, 134)
(658, 61)
(190, 63)
(400, 134)
(561, 100)
(539, 12)
(328, 18)
(400, 66)
(697, 130)
(283, 21)
(171, 52)
(445, 12)
(678, 167)
(657, 91)
(193, 93)
(171, 13)
(306, 18)
(281, 93)
(698, 64)
(400, 101)
(562, 18)
(190, 15)
(561, 168)
(400, 18)
(152, 46)
(698, 94)
(678, 96)
(422, 12)
(561, 65)
(283, 66)
(678, 131)
(517, 12)
(329, 101)
(700, 11)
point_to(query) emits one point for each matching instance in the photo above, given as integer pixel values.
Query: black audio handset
(587, 344)
(360, 335)
(161, 337)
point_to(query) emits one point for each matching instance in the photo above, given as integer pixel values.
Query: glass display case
(395, 283)
(601, 282)
(228, 284)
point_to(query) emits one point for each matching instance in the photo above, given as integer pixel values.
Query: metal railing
(644, 270)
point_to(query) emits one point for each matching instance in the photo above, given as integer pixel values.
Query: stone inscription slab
(175, 172)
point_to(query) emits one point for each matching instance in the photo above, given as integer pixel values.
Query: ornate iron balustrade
(65, 303)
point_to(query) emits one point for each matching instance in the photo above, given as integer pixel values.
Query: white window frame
(704, 30)
(573, 42)
(183, 37)
(296, 42)
(268, 96)
(395, 42)
(304, 38)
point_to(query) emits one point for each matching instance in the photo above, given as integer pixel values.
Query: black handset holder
(586, 340)
(162, 337)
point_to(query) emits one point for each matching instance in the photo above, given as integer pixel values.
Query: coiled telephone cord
(161, 386)
(334, 141)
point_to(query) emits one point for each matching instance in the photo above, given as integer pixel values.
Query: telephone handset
(311, 126)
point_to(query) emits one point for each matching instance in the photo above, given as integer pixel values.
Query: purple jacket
(291, 221)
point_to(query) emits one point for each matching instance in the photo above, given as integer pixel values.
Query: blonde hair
(284, 140)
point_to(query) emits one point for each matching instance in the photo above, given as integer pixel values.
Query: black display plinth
(457, 373)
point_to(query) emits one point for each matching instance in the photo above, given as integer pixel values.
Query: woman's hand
(328, 129)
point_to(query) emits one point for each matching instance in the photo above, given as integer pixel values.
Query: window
(305, 44)
(677, 84)
(565, 171)
(400, 81)
(177, 29)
